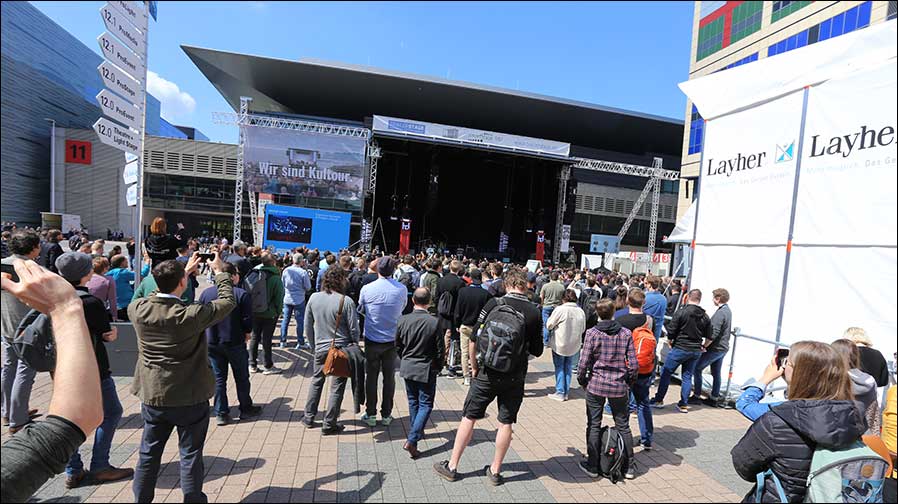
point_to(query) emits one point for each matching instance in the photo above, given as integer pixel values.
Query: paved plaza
(276, 459)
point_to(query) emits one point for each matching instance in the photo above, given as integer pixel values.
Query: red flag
(405, 231)
(540, 245)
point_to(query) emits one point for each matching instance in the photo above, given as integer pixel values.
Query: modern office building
(49, 77)
(730, 34)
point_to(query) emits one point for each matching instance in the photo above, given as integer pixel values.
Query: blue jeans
(112, 413)
(547, 311)
(562, 373)
(299, 311)
(420, 405)
(640, 392)
(220, 356)
(715, 360)
(675, 359)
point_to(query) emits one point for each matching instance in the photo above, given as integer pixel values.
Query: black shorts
(508, 389)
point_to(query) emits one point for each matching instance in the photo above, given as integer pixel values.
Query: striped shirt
(612, 359)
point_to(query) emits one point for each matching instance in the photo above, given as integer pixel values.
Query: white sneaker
(271, 371)
(467, 382)
(556, 396)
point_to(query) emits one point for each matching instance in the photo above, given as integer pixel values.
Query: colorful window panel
(710, 38)
(746, 20)
(696, 131)
(846, 22)
(783, 8)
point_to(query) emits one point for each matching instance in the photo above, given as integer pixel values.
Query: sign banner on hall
(564, 245)
(469, 136)
(604, 244)
(540, 245)
(405, 231)
(318, 170)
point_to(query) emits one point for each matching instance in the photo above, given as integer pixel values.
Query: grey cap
(386, 266)
(73, 266)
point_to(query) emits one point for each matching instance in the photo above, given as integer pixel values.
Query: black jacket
(449, 283)
(874, 364)
(420, 346)
(783, 440)
(690, 324)
(162, 248)
(469, 301)
(49, 253)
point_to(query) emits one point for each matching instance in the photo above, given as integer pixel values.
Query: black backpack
(501, 342)
(613, 457)
(587, 302)
(257, 286)
(33, 342)
(444, 305)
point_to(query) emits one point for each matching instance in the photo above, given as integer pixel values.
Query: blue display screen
(287, 227)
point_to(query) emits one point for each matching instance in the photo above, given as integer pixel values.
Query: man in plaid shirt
(607, 368)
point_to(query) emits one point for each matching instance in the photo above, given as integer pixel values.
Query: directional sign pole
(138, 236)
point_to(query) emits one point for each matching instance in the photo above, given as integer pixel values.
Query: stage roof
(353, 93)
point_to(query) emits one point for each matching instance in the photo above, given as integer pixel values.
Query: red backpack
(644, 342)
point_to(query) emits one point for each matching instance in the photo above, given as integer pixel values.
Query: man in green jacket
(172, 378)
(265, 318)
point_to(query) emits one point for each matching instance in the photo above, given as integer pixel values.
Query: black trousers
(621, 413)
(263, 330)
(192, 423)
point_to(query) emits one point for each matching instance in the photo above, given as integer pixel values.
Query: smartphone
(8, 268)
(206, 256)
(781, 354)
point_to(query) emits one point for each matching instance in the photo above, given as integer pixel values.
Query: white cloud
(176, 104)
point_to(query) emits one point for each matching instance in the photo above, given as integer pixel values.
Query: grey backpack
(33, 341)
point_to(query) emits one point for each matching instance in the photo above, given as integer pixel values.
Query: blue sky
(629, 55)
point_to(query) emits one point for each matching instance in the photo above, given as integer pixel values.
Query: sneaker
(222, 420)
(451, 374)
(304, 346)
(587, 470)
(556, 396)
(683, 408)
(646, 447)
(251, 412)
(631, 471)
(694, 400)
(254, 369)
(467, 382)
(386, 421)
(443, 471)
(271, 371)
(494, 479)
(370, 420)
(565, 397)
(74, 480)
(283, 345)
(111, 474)
(308, 422)
(330, 431)
(655, 403)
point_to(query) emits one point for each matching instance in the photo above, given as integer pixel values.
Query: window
(746, 20)
(786, 7)
(747, 59)
(893, 10)
(710, 38)
(696, 131)
(848, 21)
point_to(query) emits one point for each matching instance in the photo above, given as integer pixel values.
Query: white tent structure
(797, 213)
(683, 231)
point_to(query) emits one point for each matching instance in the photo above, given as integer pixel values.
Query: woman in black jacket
(160, 245)
(820, 411)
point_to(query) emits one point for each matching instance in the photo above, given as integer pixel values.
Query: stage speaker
(570, 199)
(433, 186)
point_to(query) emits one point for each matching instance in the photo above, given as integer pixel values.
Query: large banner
(796, 213)
(288, 227)
(458, 134)
(312, 167)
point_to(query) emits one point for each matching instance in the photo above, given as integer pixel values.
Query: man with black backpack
(447, 295)
(589, 296)
(510, 329)
(266, 288)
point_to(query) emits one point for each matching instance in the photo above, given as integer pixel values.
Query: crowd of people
(362, 317)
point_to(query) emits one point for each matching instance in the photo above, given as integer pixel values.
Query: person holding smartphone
(749, 403)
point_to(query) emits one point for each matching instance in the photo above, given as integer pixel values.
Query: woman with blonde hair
(872, 361)
(820, 412)
(863, 386)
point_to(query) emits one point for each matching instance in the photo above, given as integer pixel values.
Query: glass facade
(181, 192)
(846, 22)
(710, 38)
(746, 20)
(783, 8)
(696, 131)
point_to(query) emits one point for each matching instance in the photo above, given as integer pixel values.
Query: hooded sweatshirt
(688, 327)
(784, 440)
(864, 388)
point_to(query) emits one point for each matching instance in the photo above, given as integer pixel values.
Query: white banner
(120, 82)
(565, 244)
(117, 136)
(590, 261)
(116, 107)
(129, 175)
(131, 195)
(747, 180)
(469, 136)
